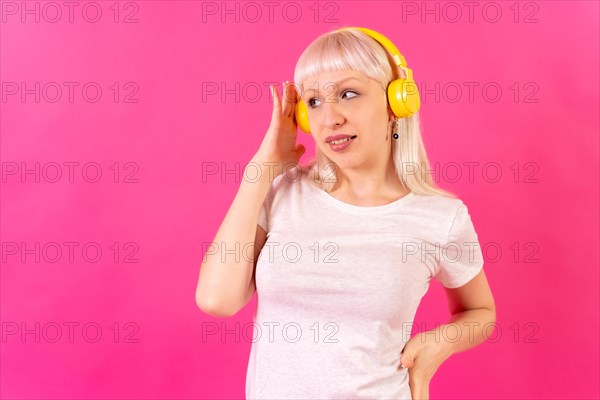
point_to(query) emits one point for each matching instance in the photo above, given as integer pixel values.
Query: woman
(349, 243)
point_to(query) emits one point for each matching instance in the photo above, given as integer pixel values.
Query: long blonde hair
(352, 49)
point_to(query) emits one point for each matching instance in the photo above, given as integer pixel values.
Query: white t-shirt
(338, 286)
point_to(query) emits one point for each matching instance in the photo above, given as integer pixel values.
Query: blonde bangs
(343, 50)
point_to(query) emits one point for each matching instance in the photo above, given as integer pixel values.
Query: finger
(300, 149)
(284, 101)
(289, 99)
(297, 91)
(276, 103)
(294, 96)
(406, 361)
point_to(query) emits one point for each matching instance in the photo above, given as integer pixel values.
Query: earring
(395, 129)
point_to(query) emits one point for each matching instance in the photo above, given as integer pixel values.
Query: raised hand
(279, 144)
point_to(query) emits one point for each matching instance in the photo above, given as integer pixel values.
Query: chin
(343, 162)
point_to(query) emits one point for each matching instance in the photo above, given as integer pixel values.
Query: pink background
(546, 345)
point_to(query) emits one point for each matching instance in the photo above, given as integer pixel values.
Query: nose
(333, 117)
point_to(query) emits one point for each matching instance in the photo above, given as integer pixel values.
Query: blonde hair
(355, 50)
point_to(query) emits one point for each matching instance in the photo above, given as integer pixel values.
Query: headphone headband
(387, 44)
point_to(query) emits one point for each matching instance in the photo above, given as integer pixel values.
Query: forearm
(467, 329)
(227, 266)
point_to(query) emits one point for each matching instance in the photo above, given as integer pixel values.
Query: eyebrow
(337, 83)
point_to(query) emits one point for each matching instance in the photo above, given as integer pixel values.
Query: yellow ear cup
(403, 97)
(301, 114)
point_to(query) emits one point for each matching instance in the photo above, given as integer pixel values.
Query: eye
(351, 91)
(311, 104)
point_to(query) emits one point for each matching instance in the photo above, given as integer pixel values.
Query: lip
(341, 146)
(337, 137)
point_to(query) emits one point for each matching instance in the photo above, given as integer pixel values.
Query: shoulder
(439, 204)
(442, 212)
(289, 177)
(287, 182)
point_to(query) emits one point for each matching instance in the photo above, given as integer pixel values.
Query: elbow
(214, 308)
(493, 313)
(490, 317)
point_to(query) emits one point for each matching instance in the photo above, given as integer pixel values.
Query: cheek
(375, 109)
(376, 119)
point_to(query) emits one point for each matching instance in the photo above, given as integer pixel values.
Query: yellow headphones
(403, 94)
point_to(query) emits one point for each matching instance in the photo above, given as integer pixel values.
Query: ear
(391, 116)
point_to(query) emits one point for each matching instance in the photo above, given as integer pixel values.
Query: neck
(369, 182)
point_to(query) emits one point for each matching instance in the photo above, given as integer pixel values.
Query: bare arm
(473, 310)
(226, 281)
(224, 285)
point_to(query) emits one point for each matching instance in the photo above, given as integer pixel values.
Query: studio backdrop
(125, 130)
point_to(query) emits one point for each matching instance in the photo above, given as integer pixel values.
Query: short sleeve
(461, 258)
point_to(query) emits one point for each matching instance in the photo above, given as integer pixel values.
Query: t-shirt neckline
(364, 209)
